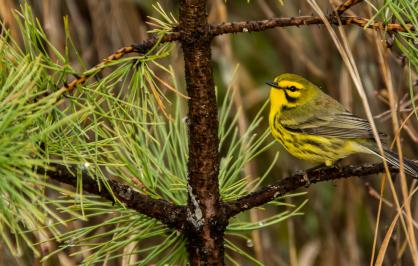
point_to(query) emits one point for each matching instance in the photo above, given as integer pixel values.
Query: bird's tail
(392, 158)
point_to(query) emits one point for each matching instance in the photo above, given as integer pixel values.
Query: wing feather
(340, 123)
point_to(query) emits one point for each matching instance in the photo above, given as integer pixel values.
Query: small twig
(141, 48)
(374, 194)
(167, 213)
(347, 5)
(403, 125)
(296, 181)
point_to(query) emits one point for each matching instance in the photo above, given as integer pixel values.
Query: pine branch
(262, 25)
(296, 181)
(141, 48)
(172, 215)
(244, 26)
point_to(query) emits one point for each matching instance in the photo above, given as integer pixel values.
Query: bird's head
(290, 90)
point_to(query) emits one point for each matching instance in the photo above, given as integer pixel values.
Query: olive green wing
(326, 118)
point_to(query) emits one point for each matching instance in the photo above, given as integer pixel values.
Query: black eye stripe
(289, 98)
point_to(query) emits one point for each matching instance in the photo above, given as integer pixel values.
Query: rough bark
(305, 179)
(206, 224)
(262, 25)
(166, 212)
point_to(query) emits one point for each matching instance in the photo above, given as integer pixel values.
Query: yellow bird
(314, 127)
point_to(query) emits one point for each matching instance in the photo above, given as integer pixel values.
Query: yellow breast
(309, 147)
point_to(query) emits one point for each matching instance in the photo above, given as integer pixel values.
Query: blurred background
(340, 217)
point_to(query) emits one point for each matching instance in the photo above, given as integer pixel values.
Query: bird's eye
(292, 88)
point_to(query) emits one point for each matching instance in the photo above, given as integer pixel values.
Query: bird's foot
(304, 174)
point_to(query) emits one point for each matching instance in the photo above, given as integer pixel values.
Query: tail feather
(392, 158)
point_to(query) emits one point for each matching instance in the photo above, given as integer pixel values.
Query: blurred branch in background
(346, 5)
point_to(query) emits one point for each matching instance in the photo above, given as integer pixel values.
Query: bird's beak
(273, 84)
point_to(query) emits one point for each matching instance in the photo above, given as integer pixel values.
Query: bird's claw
(304, 174)
(306, 178)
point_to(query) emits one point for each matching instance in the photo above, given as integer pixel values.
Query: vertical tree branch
(206, 224)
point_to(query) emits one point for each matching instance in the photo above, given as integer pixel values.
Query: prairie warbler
(314, 127)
